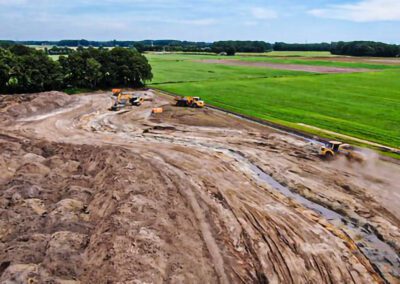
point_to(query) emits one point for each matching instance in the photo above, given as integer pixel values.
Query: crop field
(363, 105)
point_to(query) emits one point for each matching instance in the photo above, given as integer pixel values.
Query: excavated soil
(282, 66)
(188, 195)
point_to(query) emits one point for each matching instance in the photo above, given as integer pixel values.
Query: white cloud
(362, 11)
(196, 22)
(263, 13)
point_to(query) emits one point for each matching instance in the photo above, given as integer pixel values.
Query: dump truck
(333, 148)
(196, 102)
(122, 99)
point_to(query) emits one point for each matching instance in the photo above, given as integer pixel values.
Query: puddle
(382, 256)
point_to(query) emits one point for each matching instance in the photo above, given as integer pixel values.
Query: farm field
(321, 61)
(173, 68)
(364, 105)
(290, 54)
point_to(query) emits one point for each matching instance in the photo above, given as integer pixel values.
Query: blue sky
(208, 20)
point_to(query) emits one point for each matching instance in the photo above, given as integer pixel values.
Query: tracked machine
(122, 99)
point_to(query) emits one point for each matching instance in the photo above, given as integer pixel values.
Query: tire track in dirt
(249, 232)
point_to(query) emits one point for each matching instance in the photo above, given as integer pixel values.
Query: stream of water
(382, 256)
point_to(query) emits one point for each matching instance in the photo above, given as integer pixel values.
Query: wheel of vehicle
(328, 156)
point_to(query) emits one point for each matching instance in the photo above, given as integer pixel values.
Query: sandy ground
(293, 67)
(186, 196)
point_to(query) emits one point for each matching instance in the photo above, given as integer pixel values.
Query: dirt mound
(78, 222)
(20, 106)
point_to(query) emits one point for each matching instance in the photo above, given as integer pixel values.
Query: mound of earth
(20, 106)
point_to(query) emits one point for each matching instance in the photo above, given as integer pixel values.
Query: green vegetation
(24, 69)
(281, 46)
(231, 47)
(54, 50)
(318, 62)
(93, 68)
(363, 105)
(174, 68)
(329, 62)
(355, 48)
(365, 48)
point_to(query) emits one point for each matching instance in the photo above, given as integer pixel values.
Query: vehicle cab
(198, 101)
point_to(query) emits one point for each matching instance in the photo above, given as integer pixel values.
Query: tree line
(355, 48)
(24, 69)
(365, 48)
(233, 46)
(281, 46)
(158, 45)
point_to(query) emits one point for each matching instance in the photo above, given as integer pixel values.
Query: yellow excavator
(333, 148)
(122, 99)
(196, 102)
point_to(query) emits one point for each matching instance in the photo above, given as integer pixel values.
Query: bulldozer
(333, 148)
(195, 102)
(122, 99)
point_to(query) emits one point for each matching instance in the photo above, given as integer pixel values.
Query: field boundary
(299, 133)
(392, 149)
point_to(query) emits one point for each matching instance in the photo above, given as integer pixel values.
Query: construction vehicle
(157, 110)
(122, 99)
(333, 148)
(189, 102)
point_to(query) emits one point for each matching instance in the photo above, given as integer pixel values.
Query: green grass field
(363, 105)
(318, 62)
(179, 69)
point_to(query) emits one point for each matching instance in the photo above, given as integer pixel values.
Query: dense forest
(365, 48)
(281, 46)
(24, 69)
(231, 47)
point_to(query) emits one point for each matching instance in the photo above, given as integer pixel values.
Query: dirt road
(189, 195)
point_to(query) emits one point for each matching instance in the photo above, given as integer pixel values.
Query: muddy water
(382, 256)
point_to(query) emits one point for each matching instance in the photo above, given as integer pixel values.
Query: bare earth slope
(92, 196)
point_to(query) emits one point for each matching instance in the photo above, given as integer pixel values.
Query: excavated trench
(381, 255)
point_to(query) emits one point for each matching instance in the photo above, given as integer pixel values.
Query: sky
(207, 20)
